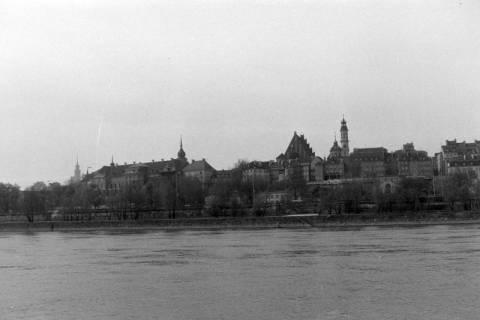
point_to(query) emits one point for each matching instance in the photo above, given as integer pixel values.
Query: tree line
(237, 196)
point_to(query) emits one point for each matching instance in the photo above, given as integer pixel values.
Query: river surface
(370, 273)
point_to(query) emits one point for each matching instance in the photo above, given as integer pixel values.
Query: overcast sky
(235, 78)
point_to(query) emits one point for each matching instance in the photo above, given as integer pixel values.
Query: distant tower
(77, 175)
(181, 154)
(344, 138)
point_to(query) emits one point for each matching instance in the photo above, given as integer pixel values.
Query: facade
(298, 156)
(224, 175)
(114, 177)
(334, 167)
(258, 171)
(413, 163)
(298, 149)
(455, 151)
(369, 162)
(464, 166)
(317, 172)
(201, 170)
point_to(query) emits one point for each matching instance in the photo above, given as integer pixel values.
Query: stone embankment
(292, 221)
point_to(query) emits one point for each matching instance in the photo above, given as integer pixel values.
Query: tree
(134, 195)
(411, 191)
(296, 181)
(460, 186)
(34, 200)
(351, 195)
(190, 192)
(330, 199)
(9, 196)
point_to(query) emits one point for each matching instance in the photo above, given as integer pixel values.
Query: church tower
(181, 154)
(344, 138)
(77, 175)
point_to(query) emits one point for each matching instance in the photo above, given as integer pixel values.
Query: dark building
(298, 157)
(369, 162)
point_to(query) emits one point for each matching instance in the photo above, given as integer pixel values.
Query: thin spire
(112, 163)
(77, 160)
(181, 142)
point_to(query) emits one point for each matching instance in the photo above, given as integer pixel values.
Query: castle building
(113, 177)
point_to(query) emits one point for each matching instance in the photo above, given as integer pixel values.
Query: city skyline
(91, 79)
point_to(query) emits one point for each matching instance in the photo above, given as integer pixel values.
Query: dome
(335, 147)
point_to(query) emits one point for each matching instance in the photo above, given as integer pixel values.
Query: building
(201, 170)
(455, 151)
(334, 167)
(317, 169)
(298, 149)
(257, 171)
(464, 165)
(114, 177)
(298, 157)
(412, 163)
(368, 162)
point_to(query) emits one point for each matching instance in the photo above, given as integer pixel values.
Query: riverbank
(267, 222)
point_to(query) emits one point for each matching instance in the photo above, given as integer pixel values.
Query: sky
(235, 79)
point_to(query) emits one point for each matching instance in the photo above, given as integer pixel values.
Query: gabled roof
(200, 165)
(299, 148)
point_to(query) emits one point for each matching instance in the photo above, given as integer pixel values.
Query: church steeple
(344, 138)
(181, 153)
(77, 174)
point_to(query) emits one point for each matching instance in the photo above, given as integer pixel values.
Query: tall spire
(77, 174)
(112, 163)
(181, 153)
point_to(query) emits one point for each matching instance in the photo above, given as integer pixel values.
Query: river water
(370, 273)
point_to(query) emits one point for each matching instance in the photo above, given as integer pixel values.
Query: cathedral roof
(299, 148)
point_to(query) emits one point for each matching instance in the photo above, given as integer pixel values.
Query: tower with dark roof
(181, 153)
(344, 138)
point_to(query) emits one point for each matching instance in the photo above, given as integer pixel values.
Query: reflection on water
(371, 273)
